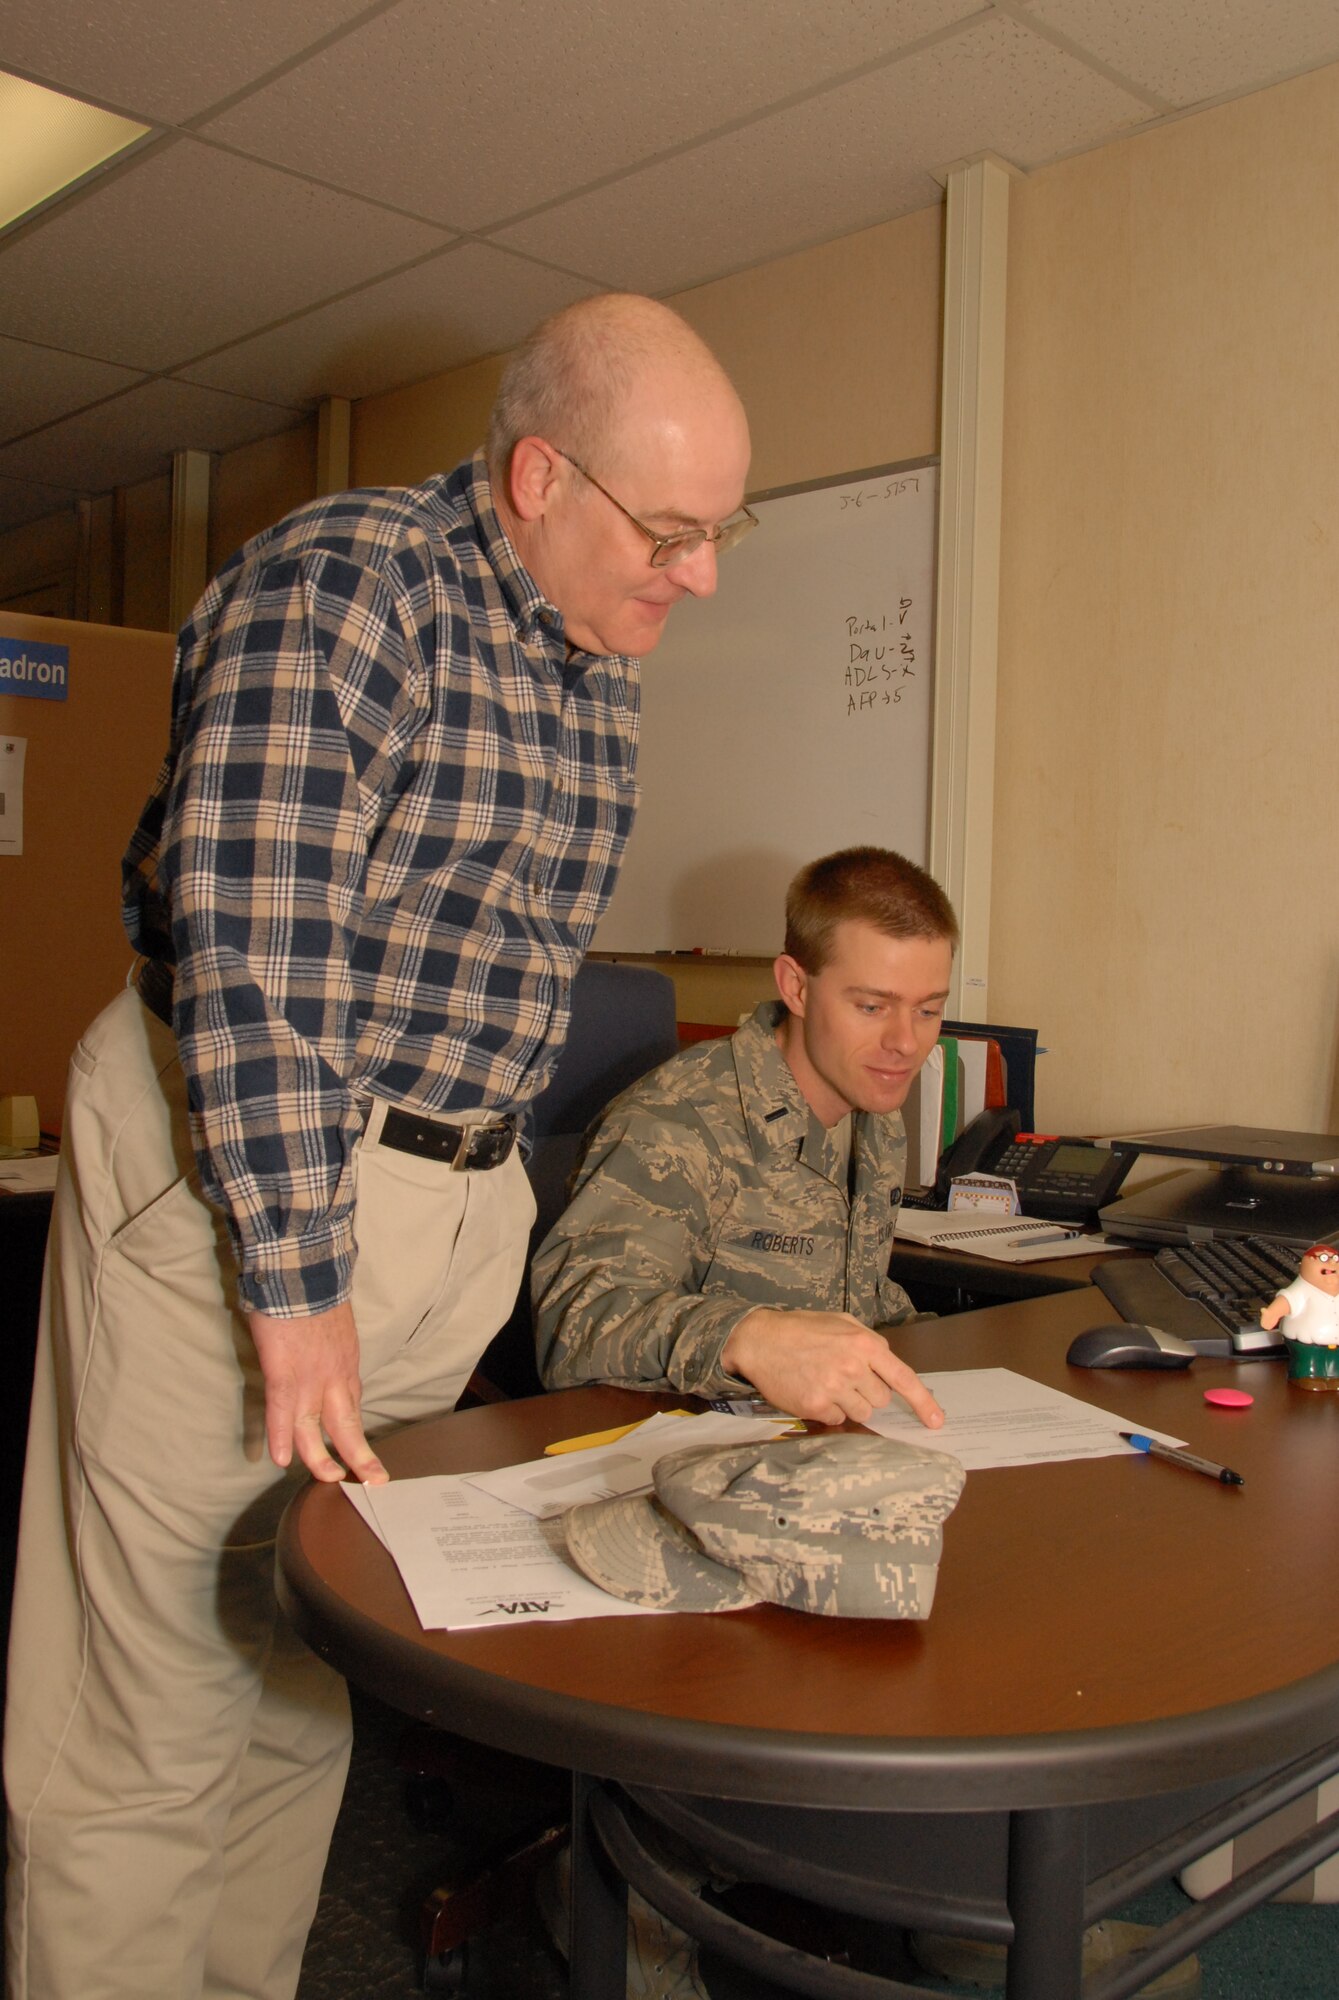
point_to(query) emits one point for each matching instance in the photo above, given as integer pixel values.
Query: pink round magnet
(1228, 1399)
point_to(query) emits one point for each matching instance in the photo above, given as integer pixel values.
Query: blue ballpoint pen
(1222, 1473)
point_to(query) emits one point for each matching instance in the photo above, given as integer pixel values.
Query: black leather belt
(466, 1147)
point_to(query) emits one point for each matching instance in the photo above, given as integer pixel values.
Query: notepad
(1006, 1241)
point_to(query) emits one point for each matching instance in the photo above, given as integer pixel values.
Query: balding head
(614, 423)
(572, 379)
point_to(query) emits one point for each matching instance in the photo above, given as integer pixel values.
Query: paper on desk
(33, 1173)
(994, 1416)
(1003, 1240)
(482, 1549)
(470, 1562)
(549, 1486)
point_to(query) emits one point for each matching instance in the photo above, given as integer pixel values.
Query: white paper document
(12, 752)
(473, 1550)
(470, 1562)
(549, 1486)
(994, 1416)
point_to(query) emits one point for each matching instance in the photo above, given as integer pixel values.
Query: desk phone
(1058, 1179)
(1061, 1180)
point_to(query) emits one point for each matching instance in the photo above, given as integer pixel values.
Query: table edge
(1073, 1767)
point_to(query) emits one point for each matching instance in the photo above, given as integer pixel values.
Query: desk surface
(1102, 1630)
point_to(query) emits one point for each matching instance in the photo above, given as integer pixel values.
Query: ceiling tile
(1198, 48)
(133, 436)
(826, 167)
(430, 110)
(23, 500)
(164, 59)
(472, 300)
(38, 384)
(467, 116)
(189, 248)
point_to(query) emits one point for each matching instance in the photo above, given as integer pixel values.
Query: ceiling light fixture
(49, 141)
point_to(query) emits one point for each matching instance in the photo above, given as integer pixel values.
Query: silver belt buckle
(486, 1146)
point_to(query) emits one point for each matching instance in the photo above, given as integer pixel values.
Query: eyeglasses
(670, 549)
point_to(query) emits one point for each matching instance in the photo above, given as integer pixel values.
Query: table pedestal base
(1047, 1902)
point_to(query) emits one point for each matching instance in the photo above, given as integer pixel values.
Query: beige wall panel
(148, 554)
(89, 765)
(403, 436)
(39, 554)
(835, 351)
(1166, 806)
(257, 485)
(47, 600)
(98, 562)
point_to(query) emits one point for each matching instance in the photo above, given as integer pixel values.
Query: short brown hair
(870, 885)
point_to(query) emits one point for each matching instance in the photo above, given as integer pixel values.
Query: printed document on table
(471, 1562)
(549, 1486)
(994, 1416)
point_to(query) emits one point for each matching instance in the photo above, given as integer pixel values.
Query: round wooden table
(1104, 1631)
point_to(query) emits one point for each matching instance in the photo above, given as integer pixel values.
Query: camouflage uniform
(708, 1189)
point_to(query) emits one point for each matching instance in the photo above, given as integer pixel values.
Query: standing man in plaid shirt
(400, 778)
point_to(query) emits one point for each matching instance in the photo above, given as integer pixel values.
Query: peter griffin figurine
(1310, 1304)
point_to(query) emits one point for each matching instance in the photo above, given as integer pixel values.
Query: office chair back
(622, 1025)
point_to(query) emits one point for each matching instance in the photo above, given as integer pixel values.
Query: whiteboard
(785, 717)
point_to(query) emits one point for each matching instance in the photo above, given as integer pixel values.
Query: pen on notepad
(1173, 1453)
(1042, 1236)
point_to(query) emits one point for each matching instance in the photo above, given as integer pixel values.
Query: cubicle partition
(92, 740)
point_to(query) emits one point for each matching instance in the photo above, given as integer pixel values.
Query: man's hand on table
(823, 1365)
(313, 1391)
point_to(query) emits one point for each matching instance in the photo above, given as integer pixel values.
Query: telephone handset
(1060, 1180)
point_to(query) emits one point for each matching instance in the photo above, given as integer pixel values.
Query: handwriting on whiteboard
(880, 658)
(909, 482)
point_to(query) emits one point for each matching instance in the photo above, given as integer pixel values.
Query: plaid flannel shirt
(390, 815)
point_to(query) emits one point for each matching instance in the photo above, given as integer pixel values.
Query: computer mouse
(1122, 1346)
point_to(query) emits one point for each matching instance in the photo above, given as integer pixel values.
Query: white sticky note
(12, 752)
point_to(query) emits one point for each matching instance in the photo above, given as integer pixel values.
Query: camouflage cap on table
(847, 1525)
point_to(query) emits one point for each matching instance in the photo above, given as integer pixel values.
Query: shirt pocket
(777, 1255)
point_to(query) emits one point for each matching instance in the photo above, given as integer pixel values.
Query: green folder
(949, 1123)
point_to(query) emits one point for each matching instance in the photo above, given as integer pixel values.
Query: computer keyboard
(1210, 1294)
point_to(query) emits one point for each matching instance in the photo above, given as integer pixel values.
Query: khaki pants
(174, 1757)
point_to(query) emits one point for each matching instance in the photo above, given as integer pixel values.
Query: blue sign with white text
(29, 668)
